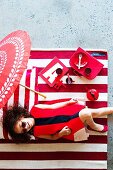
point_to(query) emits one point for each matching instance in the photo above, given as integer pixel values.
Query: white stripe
(45, 62)
(22, 90)
(96, 80)
(61, 95)
(1, 131)
(104, 62)
(11, 100)
(32, 86)
(54, 147)
(22, 81)
(52, 164)
(91, 132)
(81, 80)
(21, 95)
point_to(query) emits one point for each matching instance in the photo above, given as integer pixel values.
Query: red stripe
(51, 54)
(92, 139)
(101, 120)
(59, 53)
(97, 139)
(53, 156)
(16, 95)
(36, 85)
(102, 88)
(96, 104)
(103, 72)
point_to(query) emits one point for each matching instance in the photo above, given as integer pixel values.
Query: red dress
(50, 121)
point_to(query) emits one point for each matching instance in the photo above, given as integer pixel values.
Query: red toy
(53, 72)
(92, 94)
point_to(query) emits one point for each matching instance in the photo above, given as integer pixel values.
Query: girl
(66, 119)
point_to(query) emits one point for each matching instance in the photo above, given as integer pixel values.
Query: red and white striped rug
(62, 154)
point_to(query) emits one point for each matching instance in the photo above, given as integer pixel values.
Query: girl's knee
(85, 114)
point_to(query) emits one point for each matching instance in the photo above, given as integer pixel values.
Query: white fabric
(81, 135)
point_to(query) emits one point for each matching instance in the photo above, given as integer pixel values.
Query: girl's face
(24, 125)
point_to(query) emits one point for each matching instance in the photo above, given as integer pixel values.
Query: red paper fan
(14, 55)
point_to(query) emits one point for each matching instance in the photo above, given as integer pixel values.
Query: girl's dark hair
(11, 116)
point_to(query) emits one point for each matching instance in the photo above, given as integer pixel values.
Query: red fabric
(74, 124)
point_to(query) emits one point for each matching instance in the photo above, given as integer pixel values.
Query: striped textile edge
(62, 154)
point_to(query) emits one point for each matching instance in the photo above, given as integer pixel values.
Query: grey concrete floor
(65, 24)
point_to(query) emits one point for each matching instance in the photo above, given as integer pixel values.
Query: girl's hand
(72, 101)
(65, 131)
(79, 101)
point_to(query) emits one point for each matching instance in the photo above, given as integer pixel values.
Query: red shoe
(105, 129)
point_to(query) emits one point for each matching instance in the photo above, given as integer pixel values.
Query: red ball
(92, 94)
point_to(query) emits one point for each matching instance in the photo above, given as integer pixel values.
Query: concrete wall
(64, 24)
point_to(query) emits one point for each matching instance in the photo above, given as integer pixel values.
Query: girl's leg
(87, 115)
(104, 111)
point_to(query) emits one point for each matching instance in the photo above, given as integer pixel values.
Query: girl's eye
(24, 130)
(23, 124)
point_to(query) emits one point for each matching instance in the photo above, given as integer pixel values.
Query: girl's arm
(63, 132)
(56, 105)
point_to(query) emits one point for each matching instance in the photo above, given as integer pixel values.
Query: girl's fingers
(75, 100)
(66, 127)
